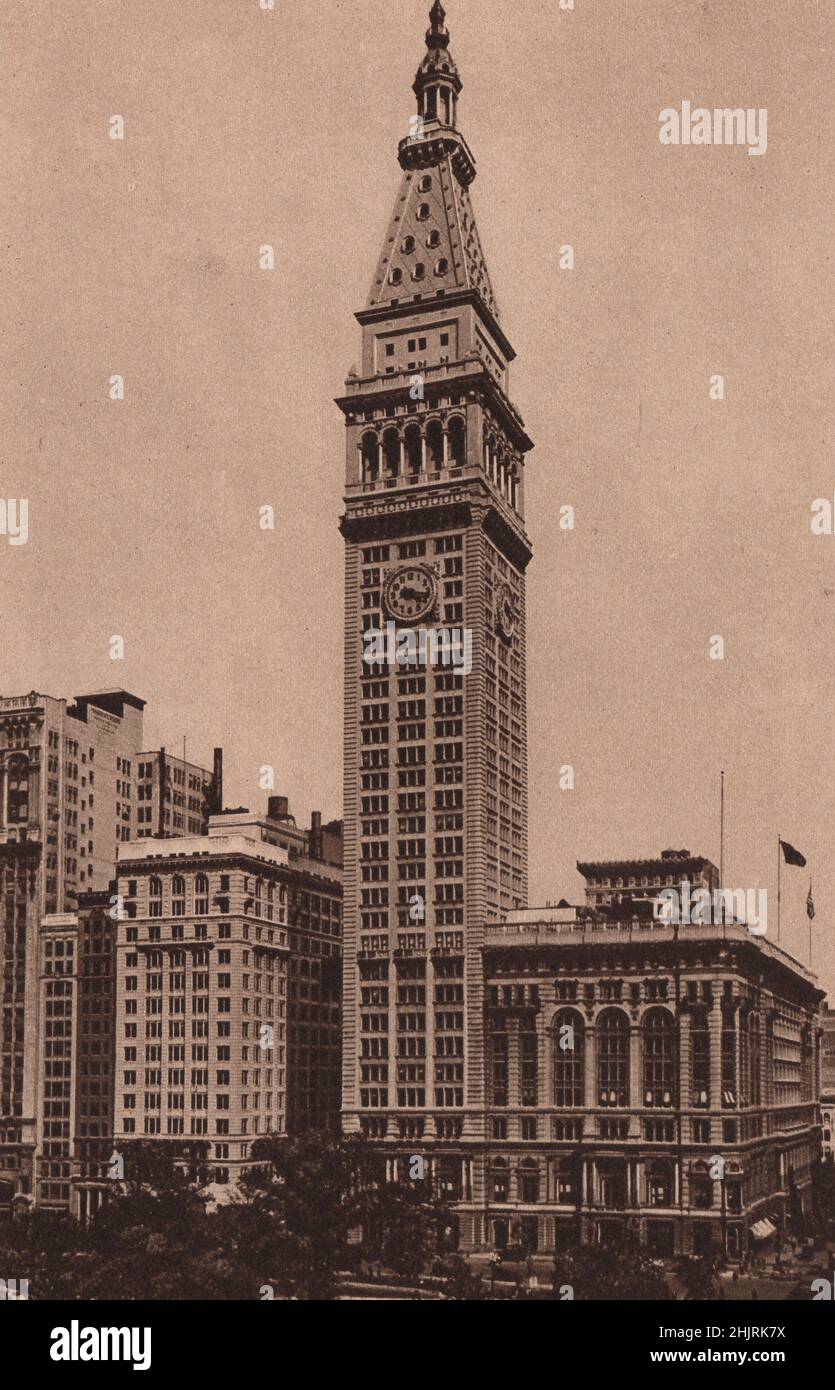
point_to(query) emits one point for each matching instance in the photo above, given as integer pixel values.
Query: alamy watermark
(722, 126)
(77, 1343)
(746, 906)
(406, 646)
(14, 519)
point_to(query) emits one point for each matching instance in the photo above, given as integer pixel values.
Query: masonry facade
(71, 786)
(643, 1078)
(227, 993)
(67, 778)
(435, 760)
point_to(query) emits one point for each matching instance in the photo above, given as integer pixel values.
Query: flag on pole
(792, 855)
(810, 906)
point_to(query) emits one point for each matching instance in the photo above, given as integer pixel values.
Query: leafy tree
(618, 1271)
(698, 1275)
(400, 1227)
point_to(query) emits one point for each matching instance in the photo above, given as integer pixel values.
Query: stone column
(591, 1066)
(715, 1027)
(635, 1097)
(737, 1054)
(514, 1076)
(545, 1043)
(684, 1059)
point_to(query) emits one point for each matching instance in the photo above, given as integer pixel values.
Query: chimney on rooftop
(216, 794)
(316, 835)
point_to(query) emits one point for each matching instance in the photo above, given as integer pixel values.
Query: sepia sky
(140, 258)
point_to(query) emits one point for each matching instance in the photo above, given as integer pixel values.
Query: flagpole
(778, 887)
(810, 923)
(722, 846)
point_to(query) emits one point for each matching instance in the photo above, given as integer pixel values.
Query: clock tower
(435, 699)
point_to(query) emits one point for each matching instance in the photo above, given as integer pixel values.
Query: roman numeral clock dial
(410, 594)
(506, 615)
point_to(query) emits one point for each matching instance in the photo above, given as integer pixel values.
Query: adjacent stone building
(643, 1076)
(227, 991)
(72, 791)
(67, 789)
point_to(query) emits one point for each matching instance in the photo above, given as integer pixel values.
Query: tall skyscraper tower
(435, 751)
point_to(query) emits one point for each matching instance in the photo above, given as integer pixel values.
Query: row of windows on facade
(445, 706)
(740, 1062)
(199, 1125)
(406, 550)
(380, 944)
(616, 989)
(198, 1004)
(200, 1100)
(561, 1185)
(258, 984)
(653, 1131)
(378, 713)
(452, 565)
(449, 610)
(23, 733)
(176, 1051)
(196, 893)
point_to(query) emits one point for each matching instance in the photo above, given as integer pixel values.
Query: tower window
(396, 277)
(419, 271)
(426, 183)
(444, 340)
(389, 349)
(413, 448)
(423, 212)
(435, 443)
(457, 441)
(433, 239)
(442, 266)
(408, 244)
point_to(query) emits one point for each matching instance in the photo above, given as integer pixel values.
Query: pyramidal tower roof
(432, 243)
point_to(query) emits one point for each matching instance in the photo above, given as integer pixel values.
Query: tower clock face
(410, 593)
(506, 617)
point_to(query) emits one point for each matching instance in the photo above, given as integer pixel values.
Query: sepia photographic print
(416, 761)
